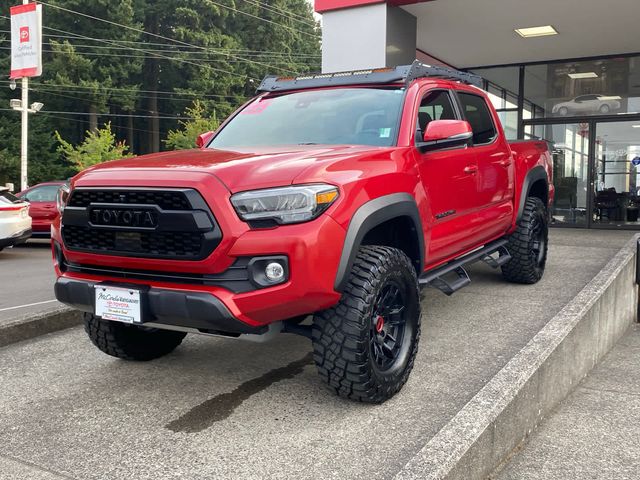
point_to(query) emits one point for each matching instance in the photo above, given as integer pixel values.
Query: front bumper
(194, 310)
(16, 239)
(312, 253)
(313, 250)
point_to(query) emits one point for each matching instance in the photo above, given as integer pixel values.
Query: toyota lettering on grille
(120, 217)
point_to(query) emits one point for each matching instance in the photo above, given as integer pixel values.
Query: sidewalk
(594, 432)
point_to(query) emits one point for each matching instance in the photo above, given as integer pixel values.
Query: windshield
(346, 116)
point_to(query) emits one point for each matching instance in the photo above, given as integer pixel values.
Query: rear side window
(6, 197)
(478, 115)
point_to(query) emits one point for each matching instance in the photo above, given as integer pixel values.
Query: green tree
(93, 73)
(99, 146)
(185, 137)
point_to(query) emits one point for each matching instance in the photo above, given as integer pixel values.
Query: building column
(369, 36)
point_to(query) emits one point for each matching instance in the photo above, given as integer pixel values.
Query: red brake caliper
(379, 323)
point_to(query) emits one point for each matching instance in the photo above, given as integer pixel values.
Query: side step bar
(455, 268)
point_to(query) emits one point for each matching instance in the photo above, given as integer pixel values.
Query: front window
(345, 116)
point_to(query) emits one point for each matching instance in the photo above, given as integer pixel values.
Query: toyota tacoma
(330, 196)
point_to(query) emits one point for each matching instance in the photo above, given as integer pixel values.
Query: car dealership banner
(26, 40)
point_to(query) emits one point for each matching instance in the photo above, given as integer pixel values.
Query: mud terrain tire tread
(341, 334)
(522, 268)
(130, 342)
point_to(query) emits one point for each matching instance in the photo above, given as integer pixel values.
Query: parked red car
(42, 200)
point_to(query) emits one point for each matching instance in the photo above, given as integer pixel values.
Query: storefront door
(570, 148)
(616, 197)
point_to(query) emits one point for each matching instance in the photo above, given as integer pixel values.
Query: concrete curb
(39, 324)
(505, 411)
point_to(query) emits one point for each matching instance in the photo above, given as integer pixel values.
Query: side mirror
(445, 134)
(203, 139)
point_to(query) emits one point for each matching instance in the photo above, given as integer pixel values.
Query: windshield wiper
(308, 143)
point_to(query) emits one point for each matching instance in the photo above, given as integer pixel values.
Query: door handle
(505, 163)
(471, 169)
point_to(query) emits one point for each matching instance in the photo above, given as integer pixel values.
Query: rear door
(43, 206)
(496, 169)
(449, 177)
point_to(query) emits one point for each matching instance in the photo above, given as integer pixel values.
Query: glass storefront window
(509, 120)
(575, 105)
(495, 95)
(585, 88)
(512, 100)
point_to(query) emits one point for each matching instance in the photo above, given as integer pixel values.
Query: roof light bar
(405, 74)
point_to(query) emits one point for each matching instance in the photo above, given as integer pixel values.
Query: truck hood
(240, 169)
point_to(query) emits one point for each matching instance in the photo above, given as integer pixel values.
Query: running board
(436, 278)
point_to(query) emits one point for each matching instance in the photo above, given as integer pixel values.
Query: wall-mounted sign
(26, 40)
(636, 161)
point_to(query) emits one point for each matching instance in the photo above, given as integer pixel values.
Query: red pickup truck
(334, 196)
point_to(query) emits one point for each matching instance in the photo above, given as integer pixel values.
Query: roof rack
(405, 74)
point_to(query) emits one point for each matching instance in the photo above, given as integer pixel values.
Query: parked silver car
(587, 105)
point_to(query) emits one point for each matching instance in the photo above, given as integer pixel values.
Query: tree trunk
(130, 133)
(93, 118)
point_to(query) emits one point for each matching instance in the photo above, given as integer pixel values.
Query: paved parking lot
(26, 285)
(218, 408)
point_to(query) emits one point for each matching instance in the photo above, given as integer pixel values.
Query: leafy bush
(185, 138)
(97, 147)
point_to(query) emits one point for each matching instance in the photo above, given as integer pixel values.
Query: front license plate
(118, 304)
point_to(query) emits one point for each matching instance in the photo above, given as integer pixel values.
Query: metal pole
(25, 129)
(25, 134)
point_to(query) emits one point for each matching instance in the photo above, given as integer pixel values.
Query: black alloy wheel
(388, 324)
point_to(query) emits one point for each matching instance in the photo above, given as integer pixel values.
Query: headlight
(62, 197)
(284, 205)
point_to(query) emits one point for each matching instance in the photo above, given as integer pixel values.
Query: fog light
(274, 272)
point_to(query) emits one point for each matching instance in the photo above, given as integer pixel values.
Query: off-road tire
(528, 245)
(343, 336)
(130, 342)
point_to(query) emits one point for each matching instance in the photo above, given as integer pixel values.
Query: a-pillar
(360, 34)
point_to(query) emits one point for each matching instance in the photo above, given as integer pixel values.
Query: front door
(450, 178)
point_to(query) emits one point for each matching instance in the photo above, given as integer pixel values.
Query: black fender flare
(536, 173)
(370, 215)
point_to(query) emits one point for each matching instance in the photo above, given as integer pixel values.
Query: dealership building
(564, 71)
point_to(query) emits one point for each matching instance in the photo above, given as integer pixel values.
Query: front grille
(183, 227)
(160, 244)
(167, 200)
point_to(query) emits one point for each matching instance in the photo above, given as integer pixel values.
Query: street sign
(636, 161)
(26, 41)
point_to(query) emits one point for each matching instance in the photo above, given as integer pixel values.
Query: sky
(318, 16)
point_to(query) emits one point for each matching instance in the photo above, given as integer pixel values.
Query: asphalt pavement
(219, 408)
(26, 281)
(593, 434)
